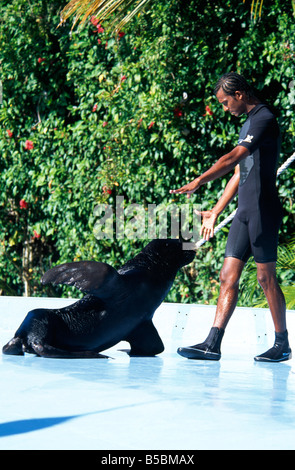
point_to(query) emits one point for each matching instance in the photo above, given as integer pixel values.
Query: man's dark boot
(280, 351)
(209, 350)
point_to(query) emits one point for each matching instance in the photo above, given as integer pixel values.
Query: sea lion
(118, 306)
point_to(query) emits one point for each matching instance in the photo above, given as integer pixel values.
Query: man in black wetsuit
(254, 230)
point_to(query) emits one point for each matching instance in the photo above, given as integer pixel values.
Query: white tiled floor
(166, 402)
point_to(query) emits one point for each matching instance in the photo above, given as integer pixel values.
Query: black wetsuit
(255, 227)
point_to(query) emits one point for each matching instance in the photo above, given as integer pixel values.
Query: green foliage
(86, 116)
(252, 293)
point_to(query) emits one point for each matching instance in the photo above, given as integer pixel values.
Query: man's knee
(266, 275)
(230, 274)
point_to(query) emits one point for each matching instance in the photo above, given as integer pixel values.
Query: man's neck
(251, 104)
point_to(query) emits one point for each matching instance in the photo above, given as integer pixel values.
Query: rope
(286, 164)
(231, 216)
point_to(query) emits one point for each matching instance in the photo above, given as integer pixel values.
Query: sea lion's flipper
(90, 277)
(14, 347)
(145, 340)
(45, 350)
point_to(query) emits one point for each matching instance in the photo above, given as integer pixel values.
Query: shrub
(87, 116)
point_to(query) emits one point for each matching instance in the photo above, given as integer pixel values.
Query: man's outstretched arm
(223, 166)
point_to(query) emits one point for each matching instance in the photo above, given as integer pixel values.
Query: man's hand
(208, 223)
(189, 188)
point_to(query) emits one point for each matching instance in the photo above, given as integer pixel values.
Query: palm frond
(289, 294)
(256, 6)
(286, 258)
(252, 293)
(254, 10)
(125, 10)
(121, 10)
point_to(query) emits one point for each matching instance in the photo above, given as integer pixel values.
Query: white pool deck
(166, 402)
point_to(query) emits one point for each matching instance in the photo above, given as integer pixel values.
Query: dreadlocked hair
(232, 82)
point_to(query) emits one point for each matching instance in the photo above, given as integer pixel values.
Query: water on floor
(165, 402)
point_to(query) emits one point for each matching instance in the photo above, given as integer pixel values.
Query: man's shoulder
(262, 111)
(261, 124)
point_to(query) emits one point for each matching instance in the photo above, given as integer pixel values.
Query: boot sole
(266, 359)
(192, 353)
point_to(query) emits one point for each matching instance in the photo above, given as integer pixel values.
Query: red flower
(121, 34)
(123, 78)
(99, 41)
(104, 124)
(36, 234)
(40, 60)
(29, 145)
(94, 108)
(105, 189)
(94, 20)
(208, 111)
(23, 204)
(100, 28)
(151, 124)
(10, 133)
(177, 112)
